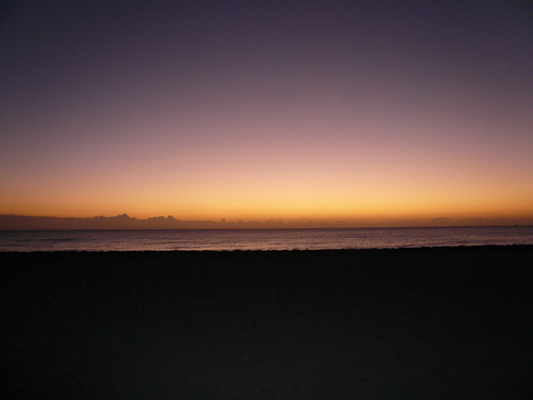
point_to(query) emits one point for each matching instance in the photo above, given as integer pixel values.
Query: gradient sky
(374, 111)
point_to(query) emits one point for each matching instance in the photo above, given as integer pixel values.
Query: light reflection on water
(267, 239)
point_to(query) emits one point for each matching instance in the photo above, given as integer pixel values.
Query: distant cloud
(123, 221)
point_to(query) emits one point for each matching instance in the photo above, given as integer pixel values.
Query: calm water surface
(267, 239)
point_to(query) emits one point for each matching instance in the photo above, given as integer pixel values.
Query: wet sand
(436, 323)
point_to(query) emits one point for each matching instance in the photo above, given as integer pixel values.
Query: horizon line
(125, 222)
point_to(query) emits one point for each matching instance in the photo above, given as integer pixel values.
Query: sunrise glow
(330, 114)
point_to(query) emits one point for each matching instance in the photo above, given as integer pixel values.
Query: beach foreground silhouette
(435, 323)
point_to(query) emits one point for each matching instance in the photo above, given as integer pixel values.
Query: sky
(371, 112)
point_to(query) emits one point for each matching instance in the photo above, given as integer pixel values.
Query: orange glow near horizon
(365, 123)
(285, 178)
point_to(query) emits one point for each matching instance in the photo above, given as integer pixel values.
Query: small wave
(41, 240)
(55, 240)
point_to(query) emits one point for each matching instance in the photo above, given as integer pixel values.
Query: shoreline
(245, 240)
(525, 247)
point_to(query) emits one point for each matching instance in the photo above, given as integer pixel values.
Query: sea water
(263, 239)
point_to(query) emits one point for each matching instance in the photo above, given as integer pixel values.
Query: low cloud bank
(124, 221)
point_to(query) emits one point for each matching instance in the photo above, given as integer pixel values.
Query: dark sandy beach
(442, 323)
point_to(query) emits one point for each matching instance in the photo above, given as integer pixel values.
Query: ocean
(263, 239)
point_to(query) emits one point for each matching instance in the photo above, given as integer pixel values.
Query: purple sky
(256, 110)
